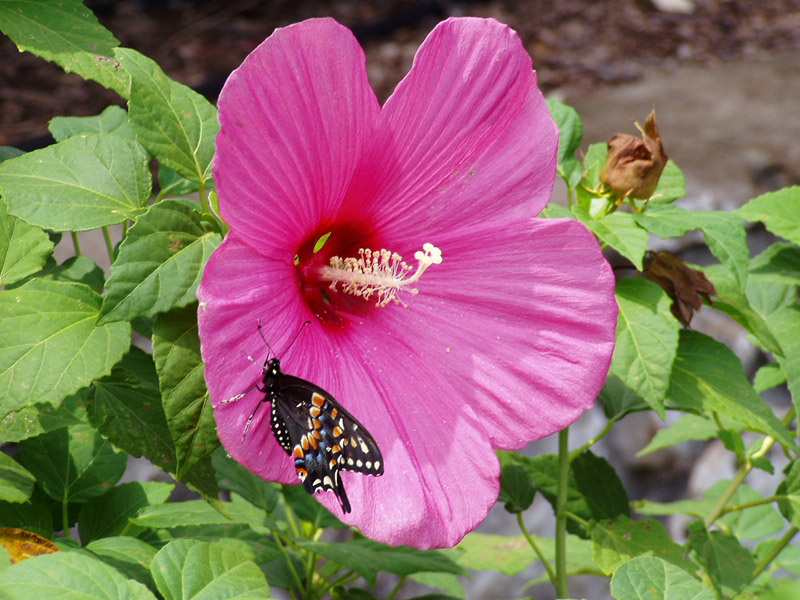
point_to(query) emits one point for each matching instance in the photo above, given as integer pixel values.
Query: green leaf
(196, 512)
(618, 230)
(82, 183)
(73, 463)
(23, 248)
(696, 508)
(7, 152)
(594, 489)
(570, 131)
(618, 540)
(130, 556)
(50, 346)
(554, 211)
(779, 211)
(78, 269)
(724, 233)
(729, 564)
(647, 340)
(671, 185)
(16, 482)
(68, 34)
(708, 374)
(159, 264)
(651, 578)
(769, 376)
(308, 509)
(368, 558)
(790, 487)
(752, 523)
(486, 552)
(235, 478)
(190, 416)
(108, 515)
(516, 489)
(33, 515)
(112, 121)
(597, 480)
(687, 428)
(785, 325)
(779, 263)
(69, 576)
(127, 409)
(732, 301)
(33, 420)
(190, 569)
(448, 583)
(766, 296)
(171, 183)
(726, 238)
(176, 124)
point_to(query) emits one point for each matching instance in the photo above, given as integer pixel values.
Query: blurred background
(724, 77)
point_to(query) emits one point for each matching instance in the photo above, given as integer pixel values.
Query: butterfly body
(322, 438)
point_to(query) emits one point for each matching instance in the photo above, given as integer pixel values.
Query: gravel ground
(575, 44)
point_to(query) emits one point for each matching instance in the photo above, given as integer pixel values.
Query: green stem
(124, 228)
(344, 579)
(744, 470)
(562, 587)
(295, 575)
(578, 451)
(550, 573)
(782, 543)
(770, 500)
(109, 243)
(397, 588)
(203, 199)
(582, 522)
(76, 243)
(65, 516)
(311, 570)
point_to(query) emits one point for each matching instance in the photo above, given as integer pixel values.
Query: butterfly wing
(322, 437)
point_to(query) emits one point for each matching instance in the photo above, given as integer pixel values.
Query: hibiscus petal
(294, 117)
(241, 288)
(466, 132)
(521, 318)
(441, 474)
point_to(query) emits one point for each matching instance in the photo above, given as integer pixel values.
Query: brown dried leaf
(685, 285)
(22, 544)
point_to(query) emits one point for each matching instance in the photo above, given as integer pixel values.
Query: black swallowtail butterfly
(321, 436)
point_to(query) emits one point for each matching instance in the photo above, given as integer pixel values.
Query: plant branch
(772, 554)
(562, 587)
(550, 573)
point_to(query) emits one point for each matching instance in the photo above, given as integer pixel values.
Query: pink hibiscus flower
(509, 338)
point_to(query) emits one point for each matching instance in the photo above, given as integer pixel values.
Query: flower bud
(634, 165)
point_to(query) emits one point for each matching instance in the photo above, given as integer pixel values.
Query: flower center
(336, 276)
(382, 273)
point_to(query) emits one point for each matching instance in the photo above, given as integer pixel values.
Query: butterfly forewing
(319, 434)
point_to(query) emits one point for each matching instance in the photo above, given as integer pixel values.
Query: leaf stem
(593, 441)
(582, 522)
(65, 516)
(782, 543)
(295, 575)
(562, 587)
(550, 573)
(203, 199)
(76, 243)
(396, 589)
(109, 243)
(770, 500)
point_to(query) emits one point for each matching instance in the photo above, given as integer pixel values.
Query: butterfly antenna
(266, 343)
(296, 335)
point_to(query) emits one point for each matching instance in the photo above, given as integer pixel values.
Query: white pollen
(379, 272)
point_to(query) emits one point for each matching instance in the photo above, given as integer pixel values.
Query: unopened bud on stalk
(634, 165)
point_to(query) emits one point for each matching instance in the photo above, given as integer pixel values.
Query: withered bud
(682, 283)
(634, 165)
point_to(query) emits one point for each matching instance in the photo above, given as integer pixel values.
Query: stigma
(379, 273)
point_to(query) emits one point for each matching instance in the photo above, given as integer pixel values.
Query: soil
(575, 44)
